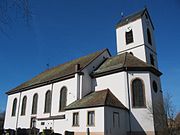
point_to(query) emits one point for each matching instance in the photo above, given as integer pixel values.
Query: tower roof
(133, 17)
(124, 61)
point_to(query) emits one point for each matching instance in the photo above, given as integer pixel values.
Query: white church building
(97, 94)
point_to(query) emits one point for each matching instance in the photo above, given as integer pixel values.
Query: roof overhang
(150, 69)
(41, 84)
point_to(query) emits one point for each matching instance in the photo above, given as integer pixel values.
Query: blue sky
(62, 30)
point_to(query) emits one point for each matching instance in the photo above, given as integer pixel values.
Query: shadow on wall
(136, 128)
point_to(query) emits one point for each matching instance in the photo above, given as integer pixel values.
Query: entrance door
(33, 122)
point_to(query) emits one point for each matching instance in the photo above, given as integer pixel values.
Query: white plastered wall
(157, 104)
(86, 79)
(138, 38)
(141, 118)
(116, 83)
(123, 121)
(25, 121)
(149, 49)
(10, 121)
(70, 84)
(66, 124)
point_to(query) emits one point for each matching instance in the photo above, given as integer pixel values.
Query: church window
(116, 120)
(34, 104)
(91, 118)
(138, 93)
(14, 107)
(155, 87)
(47, 107)
(129, 37)
(63, 99)
(76, 119)
(149, 37)
(152, 59)
(23, 108)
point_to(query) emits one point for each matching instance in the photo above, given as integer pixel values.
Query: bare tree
(163, 113)
(170, 113)
(2, 117)
(177, 120)
(156, 110)
(10, 10)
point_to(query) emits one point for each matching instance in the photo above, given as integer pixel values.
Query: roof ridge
(131, 14)
(137, 12)
(107, 93)
(102, 51)
(125, 59)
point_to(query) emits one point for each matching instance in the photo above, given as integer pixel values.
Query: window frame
(14, 107)
(75, 124)
(88, 124)
(34, 104)
(152, 61)
(46, 103)
(23, 106)
(62, 109)
(144, 94)
(149, 37)
(129, 37)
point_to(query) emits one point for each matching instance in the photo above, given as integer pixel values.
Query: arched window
(63, 99)
(152, 59)
(149, 37)
(47, 107)
(129, 37)
(14, 107)
(155, 87)
(34, 104)
(138, 93)
(23, 109)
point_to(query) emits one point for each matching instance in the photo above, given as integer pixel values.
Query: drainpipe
(51, 105)
(51, 97)
(128, 100)
(18, 110)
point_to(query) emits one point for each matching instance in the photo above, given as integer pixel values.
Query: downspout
(18, 111)
(51, 98)
(51, 105)
(128, 100)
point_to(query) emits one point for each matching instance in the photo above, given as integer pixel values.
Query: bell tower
(134, 34)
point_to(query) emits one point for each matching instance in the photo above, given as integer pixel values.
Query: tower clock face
(128, 29)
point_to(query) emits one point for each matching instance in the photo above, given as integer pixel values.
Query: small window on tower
(149, 37)
(155, 87)
(129, 37)
(152, 59)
